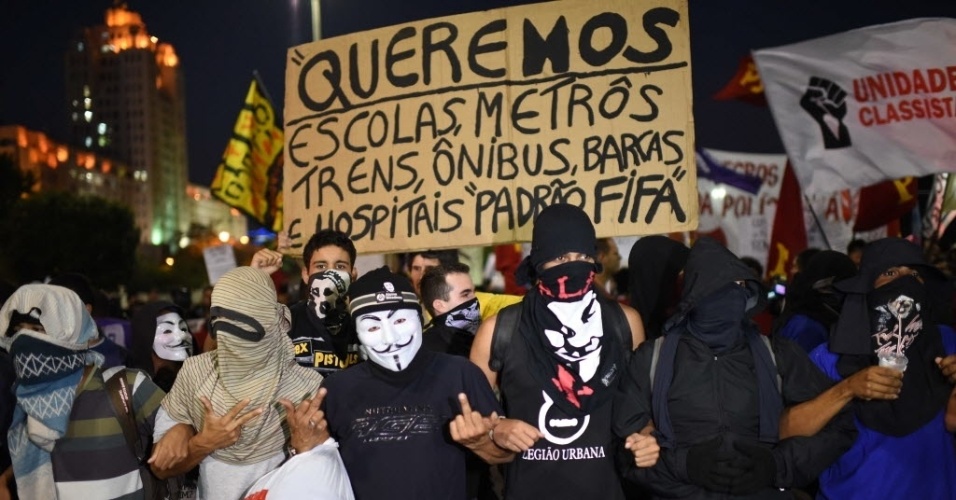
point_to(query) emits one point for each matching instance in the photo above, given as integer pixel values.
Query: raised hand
(469, 428)
(307, 423)
(267, 260)
(223, 431)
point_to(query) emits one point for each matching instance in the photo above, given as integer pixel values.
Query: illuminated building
(126, 101)
(59, 167)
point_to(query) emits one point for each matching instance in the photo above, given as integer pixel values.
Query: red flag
(745, 85)
(885, 202)
(789, 235)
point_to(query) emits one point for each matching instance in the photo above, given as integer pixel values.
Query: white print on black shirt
(556, 426)
(396, 423)
(555, 454)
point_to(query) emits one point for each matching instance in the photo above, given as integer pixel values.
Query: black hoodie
(716, 394)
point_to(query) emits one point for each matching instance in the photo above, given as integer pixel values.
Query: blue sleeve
(825, 361)
(949, 339)
(805, 332)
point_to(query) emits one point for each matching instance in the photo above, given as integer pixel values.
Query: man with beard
(556, 359)
(448, 295)
(161, 342)
(393, 415)
(715, 390)
(322, 330)
(894, 361)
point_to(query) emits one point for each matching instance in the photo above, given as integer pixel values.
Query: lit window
(87, 102)
(86, 91)
(88, 116)
(101, 128)
(88, 141)
(76, 116)
(79, 46)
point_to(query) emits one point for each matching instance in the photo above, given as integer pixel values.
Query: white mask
(391, 338)
(172, 341)
(325, 289)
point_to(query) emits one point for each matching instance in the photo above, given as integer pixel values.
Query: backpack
(507, 322)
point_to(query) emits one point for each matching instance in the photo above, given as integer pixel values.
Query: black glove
(702, 460)
(756, 469)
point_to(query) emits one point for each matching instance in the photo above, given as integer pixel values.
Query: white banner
(860, 107)
(746, 220)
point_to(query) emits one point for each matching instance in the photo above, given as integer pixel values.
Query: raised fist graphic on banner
(826, 103)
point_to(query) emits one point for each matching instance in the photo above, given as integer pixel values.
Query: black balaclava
(655, 263)
(721, 294)
(812, 295)
(869, 321)
(576, 359)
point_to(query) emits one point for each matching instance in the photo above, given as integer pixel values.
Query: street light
(170, 261)
(224, 236)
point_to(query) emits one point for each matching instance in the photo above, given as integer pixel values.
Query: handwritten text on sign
(459, 131)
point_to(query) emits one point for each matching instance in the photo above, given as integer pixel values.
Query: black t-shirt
(392, 427)
(576, 458)
(319, 349)
(439, 337)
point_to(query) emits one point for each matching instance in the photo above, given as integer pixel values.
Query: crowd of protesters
(673, 379)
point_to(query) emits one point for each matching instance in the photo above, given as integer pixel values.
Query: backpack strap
(506, 324)
(121, 397)
(773, 357)
(655, 356)
(617, 321)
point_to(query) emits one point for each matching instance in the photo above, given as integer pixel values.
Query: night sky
(220, 43)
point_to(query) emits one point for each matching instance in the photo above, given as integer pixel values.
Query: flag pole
(817, 221)
(316, 20)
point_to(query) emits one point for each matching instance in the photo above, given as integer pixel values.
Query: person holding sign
(406, 419)
(556, 358)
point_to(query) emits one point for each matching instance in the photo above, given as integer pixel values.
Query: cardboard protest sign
(458, 131)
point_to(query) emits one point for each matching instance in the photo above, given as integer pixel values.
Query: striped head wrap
(254, 361)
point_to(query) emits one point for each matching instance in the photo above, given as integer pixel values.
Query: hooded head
(720, 294)
(40, 323)
(655, 263)
(812, 291)
(387, 317)
(887, 264)
(60, 311)
(159, 328)
(559, 229)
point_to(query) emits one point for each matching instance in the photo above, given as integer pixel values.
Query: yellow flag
(249, 177)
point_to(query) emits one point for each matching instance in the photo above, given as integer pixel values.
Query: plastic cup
(894, 361)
